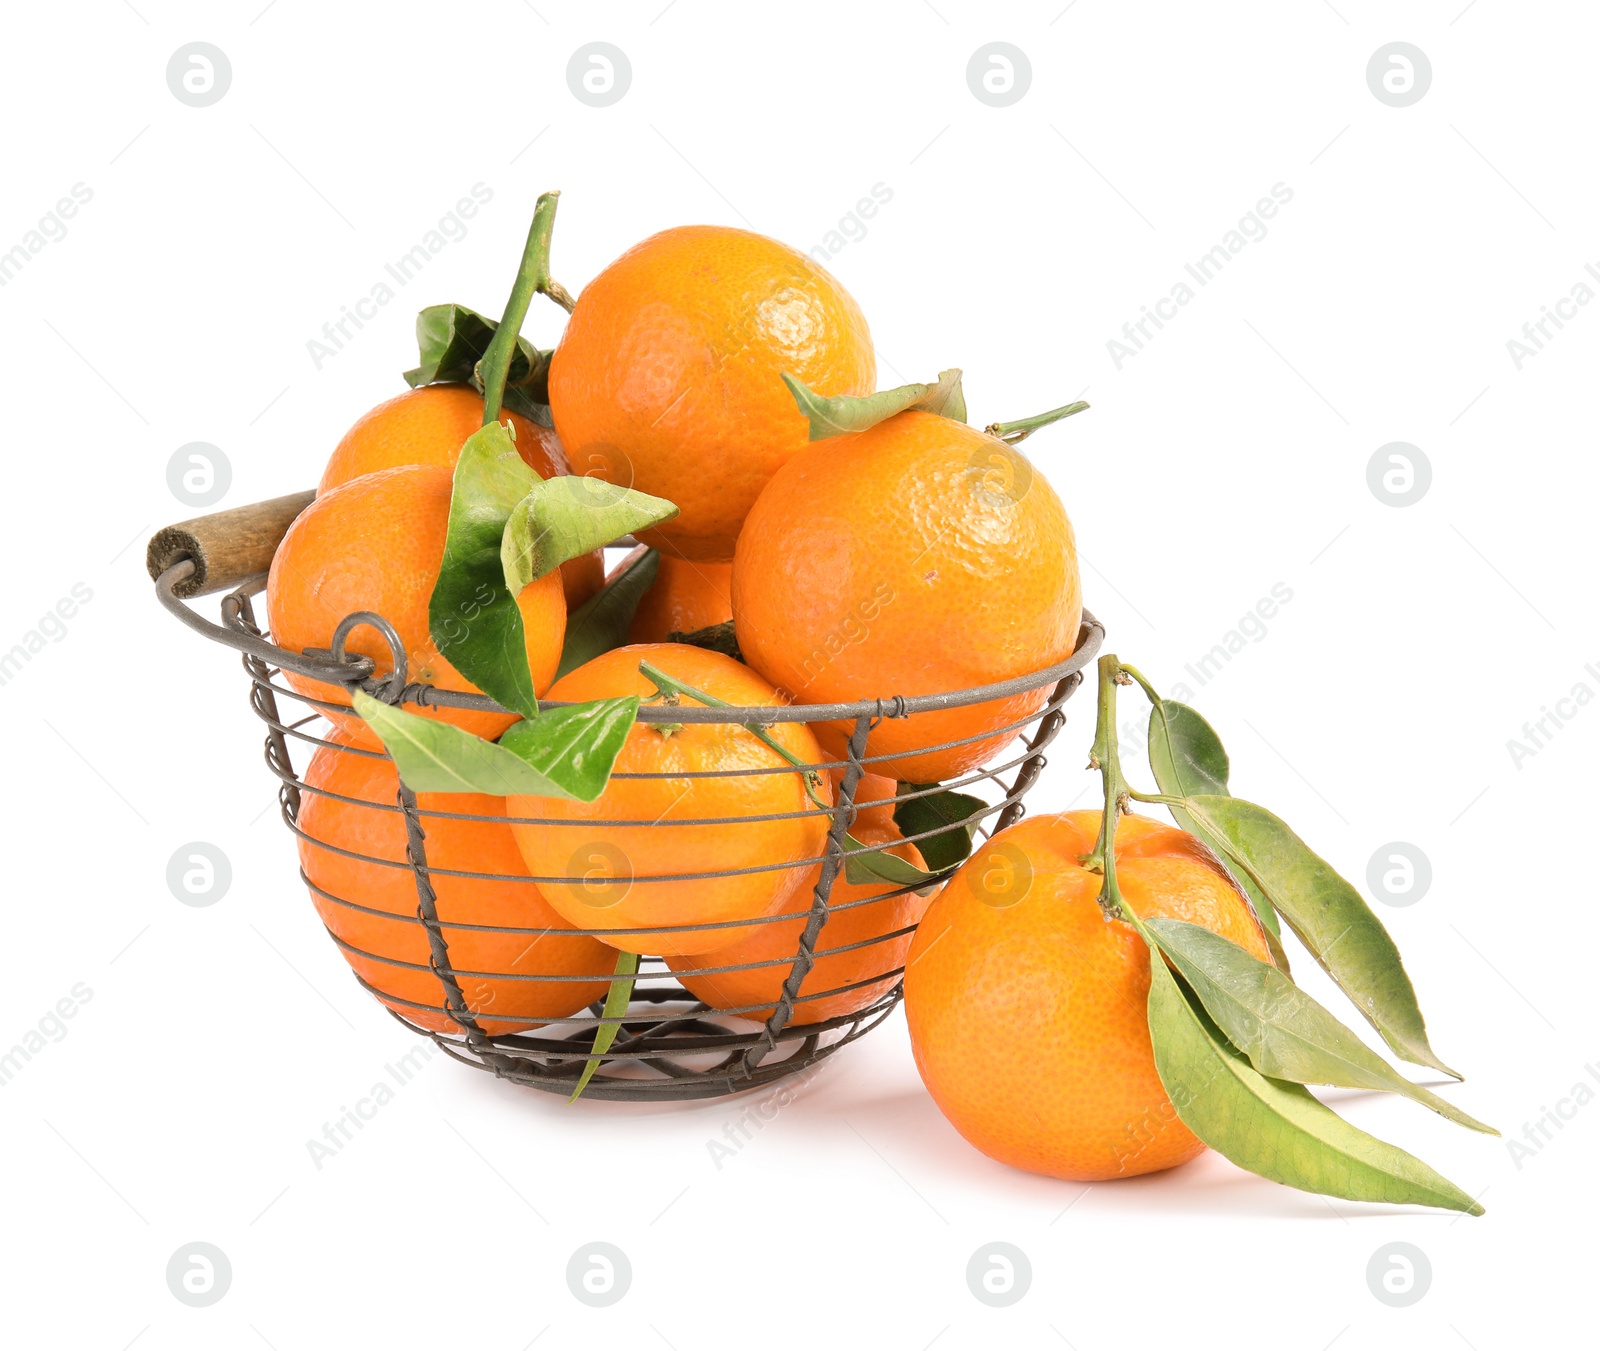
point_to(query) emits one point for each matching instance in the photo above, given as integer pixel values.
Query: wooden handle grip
(227, 547)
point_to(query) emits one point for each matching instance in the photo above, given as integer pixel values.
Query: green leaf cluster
(564, 518)
(472, 617)
(452, 340)
(1235, 1039)
(507, 529)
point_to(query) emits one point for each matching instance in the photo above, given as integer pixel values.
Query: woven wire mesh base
(670, 1044)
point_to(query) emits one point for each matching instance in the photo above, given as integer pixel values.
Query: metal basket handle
(227, 547)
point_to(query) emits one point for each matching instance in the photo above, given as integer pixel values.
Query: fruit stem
(810, 776)
(676, 689)
(1140, 680)
(533, 276)
(1103, 756)
(1013, 432)
(1156, 799)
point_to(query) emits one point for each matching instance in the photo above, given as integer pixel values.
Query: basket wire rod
(742, 716)
(389, 688)
(565, 931)
(439, 950)
(971, 779)
(844, 815)
(359, 671)
(229, 632)
(717, 874)
(1043, 735)
(277, 746)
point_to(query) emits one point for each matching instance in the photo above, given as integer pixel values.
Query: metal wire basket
(669, 1044)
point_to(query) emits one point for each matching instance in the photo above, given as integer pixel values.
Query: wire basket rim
(358, 672)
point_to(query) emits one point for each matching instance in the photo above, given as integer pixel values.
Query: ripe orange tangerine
(684, 598)
(428, 425)
(668, 376)
(353, 853)
(376, 543)
(918, 557)
(859, 951)
(636, 854)
(1026, 1006)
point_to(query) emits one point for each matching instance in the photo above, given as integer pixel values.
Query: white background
(1227, 456)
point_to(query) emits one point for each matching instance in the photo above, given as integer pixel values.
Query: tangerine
(917, 557)
(376, 543)
(631, 863)
(683, 598)
(353, 852)
(1026, 1005)
(582, 577)
(667, 378)
(429, 425)
(859, 952)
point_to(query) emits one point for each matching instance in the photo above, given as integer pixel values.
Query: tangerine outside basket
(668, 1044)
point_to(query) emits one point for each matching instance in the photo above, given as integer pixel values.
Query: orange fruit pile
(825, 552)
(915, 556)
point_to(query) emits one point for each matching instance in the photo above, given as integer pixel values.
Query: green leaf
(616, 1005)
(472, 617)
(713, 638)
(564, 518)
(452, 339)
(852, 413)
(915, 815)
(602, 622)
(1283, 1031)
(1328, 915)
(515, 400)
(565, 752)
(1014, 433)
(575, 746)
(1272, 1128)
(438, 757)
(1185, 752)
(945, 398)
(866, 863)
(1188, 760)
